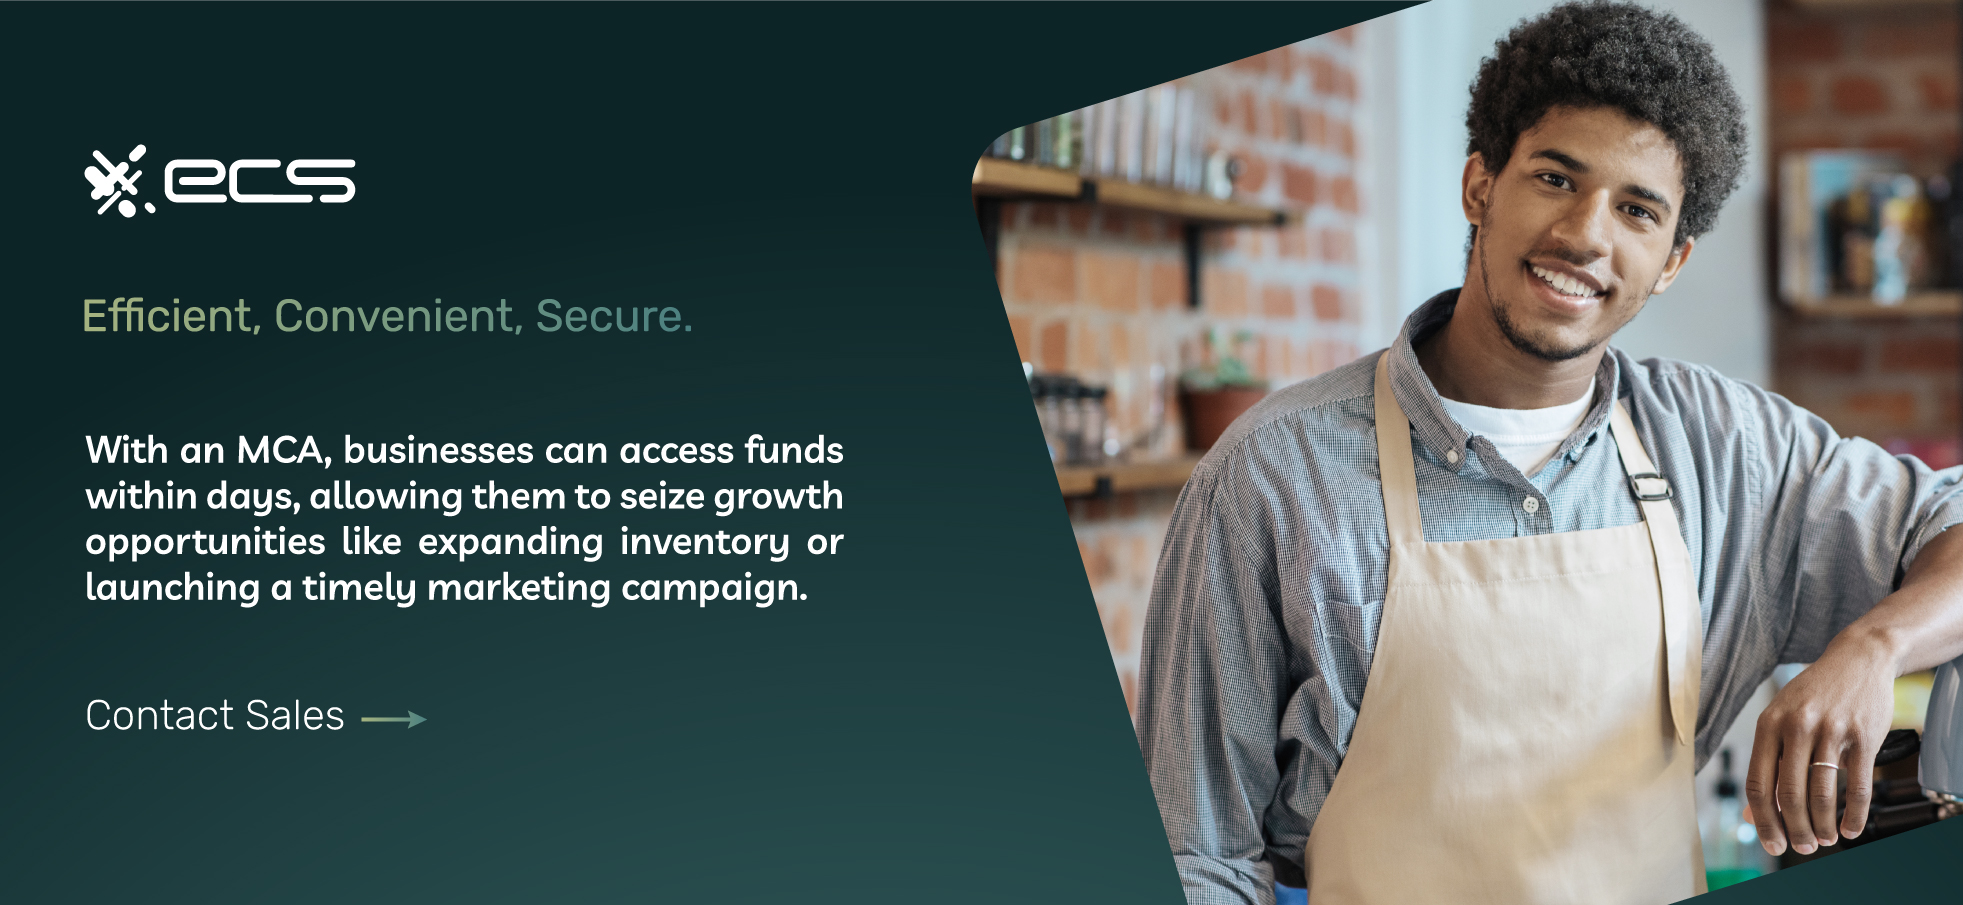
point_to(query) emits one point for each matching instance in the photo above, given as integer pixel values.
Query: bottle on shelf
(1096, 425)
(1070, 421)
(1070, 140)
(1042, 391)
(1155, 136)
(1077, 427)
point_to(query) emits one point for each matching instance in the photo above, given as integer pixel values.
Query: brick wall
(1101, 293)
(1866, 78)
(1892, 381)
(1881, 79)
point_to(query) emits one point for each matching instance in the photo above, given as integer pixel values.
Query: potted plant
(1214, 394)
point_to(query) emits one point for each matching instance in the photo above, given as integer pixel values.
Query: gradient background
(938, 722)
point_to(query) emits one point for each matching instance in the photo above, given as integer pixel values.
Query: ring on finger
(1821, 763)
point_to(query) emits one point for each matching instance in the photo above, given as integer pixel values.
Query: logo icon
(111, 183)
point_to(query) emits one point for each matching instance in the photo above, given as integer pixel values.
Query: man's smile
(1564, 290)
(1569, 283)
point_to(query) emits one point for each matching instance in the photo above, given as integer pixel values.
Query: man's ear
(1673, 265)
(1476, 189)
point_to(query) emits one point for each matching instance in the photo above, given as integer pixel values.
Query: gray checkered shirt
(1270, 585)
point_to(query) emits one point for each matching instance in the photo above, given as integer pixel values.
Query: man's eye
(1555, 179)
(1635, 211)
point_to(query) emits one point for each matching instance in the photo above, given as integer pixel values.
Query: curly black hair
(1645, 63)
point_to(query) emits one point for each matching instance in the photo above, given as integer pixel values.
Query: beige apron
(1526, 733)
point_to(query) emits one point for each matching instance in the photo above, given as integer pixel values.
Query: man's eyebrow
(1650, 195)
(1561, 159)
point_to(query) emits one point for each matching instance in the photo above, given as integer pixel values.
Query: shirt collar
(1436, 430)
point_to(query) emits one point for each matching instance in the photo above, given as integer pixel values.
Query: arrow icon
(412, 719)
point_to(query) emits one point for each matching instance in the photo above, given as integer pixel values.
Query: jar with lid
(1043, 392)
(1095, 423)
(1070, 419)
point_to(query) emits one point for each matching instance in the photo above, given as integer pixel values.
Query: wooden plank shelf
(1930, 303)
(1007, 178)
(996, 180)
(1191, 207)
(1131, 477)
(1866, 5)
(999, 178)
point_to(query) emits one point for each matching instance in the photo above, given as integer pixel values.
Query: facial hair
(1532, 345)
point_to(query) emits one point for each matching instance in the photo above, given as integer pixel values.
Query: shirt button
(1531, 505)
(1452, 456)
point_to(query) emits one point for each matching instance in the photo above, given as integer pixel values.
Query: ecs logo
(115, 181)
(110, 181)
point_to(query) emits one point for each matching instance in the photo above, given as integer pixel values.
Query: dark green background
(939, 722)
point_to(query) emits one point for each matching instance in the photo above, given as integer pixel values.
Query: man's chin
(1542, 345)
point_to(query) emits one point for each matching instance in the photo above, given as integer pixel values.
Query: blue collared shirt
(1270, 585)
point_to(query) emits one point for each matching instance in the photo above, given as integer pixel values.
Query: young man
(1458, 621)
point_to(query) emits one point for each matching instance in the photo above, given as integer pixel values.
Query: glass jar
(1070, 420)
(1042, 391)
(1097, 424)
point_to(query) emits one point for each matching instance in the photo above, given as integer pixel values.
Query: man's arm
(1211, 692)
(1838, 709)
(1866, 586)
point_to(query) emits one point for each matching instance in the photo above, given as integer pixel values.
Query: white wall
(1422, 63)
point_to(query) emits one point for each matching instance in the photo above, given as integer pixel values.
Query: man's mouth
(1564, 284)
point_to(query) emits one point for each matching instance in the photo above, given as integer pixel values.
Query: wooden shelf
(1085, 480)
(997, 177)
(1191, 207)
(1932, 303)
(997, 180)
(1867, 5)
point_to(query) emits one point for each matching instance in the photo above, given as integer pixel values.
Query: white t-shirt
(1526, 437)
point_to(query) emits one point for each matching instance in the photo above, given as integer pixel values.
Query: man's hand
(1834, 712)
(1838, 709)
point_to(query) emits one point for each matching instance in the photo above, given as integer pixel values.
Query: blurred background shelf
(1186, 205)
(997, 178)
(1930, 303)
(1106, 480)
(1867, 5)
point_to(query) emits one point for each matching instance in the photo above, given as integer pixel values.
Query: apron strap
(1681, 615)
(1395, 466)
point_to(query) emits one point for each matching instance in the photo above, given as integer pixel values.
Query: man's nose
(1582, 233)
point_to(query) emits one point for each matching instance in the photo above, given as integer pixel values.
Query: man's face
(1576, 231)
